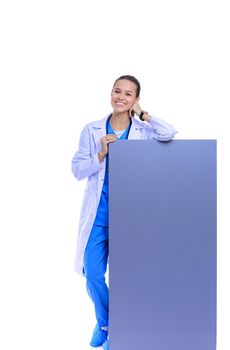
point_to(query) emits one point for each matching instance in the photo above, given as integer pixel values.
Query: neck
(120, 121)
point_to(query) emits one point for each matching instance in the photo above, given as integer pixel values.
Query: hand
(105, 140)
(136, 109)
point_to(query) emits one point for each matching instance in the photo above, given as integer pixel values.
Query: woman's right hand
(105, 140)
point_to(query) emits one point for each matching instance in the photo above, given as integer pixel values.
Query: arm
(158, 129)
(155, 128)
(83, 163)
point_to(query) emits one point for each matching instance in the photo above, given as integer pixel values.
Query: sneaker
(106, 345)
(99, 337)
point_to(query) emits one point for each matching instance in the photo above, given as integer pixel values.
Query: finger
(111, 140)
(112, 137)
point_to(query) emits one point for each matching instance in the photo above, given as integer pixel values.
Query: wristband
(141, 115)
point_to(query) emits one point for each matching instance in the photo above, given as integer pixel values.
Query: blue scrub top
(102, 210)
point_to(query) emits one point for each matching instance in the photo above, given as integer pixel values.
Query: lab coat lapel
(135, 132)
(98, 131)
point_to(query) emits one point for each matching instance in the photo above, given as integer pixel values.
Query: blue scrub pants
(95, 265)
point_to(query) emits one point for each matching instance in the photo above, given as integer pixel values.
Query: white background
(59, 60)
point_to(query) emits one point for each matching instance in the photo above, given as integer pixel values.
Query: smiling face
(123, 96)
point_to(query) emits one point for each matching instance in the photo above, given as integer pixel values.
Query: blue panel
(162, 226)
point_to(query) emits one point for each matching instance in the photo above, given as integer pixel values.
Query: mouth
(120, 103)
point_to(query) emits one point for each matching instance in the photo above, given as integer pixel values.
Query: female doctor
(91, 162)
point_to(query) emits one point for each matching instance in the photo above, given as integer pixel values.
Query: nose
(121, 96)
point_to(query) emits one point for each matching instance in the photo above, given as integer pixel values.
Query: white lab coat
(85, 164)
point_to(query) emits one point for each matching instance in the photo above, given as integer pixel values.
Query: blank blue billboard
(162, 253)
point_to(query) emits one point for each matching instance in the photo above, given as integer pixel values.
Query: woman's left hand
(136, 109)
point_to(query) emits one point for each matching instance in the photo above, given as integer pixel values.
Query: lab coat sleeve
(85, 164)
(158, 129)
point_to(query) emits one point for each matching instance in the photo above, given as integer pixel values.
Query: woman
(91, 161)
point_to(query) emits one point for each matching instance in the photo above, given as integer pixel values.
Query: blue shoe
(106, 345)
(99, 337)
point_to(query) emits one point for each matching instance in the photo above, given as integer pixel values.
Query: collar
(99, 130)
(101, 124)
